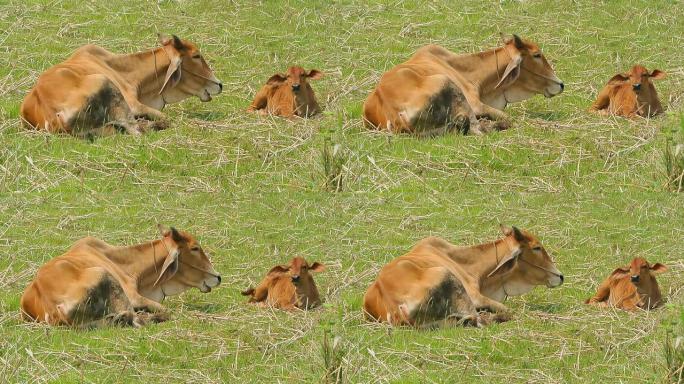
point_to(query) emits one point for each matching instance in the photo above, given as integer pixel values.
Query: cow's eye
(537, 249)
(197, 56)
(537, 55)
(195, 249)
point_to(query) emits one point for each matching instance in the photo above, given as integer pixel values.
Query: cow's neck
(484, 71)
(146, 72)
(144, 261)
(482, 260)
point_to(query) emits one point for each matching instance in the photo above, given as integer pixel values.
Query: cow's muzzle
(296, 87)
(636, 87)
(635, 278)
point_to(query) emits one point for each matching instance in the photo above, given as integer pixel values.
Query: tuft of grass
(674, 351)
(333, 358)
(333, 160)
(673, 158)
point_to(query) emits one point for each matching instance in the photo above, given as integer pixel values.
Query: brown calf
(631, 287)
(288, 94)
(288, 286)
(630, 94)
(437, 90)
(438, 283)
(96, 283)
(97, 92)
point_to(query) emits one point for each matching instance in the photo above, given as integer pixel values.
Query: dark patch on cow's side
(447, 109)
(102, 299)
(104, 106)
(438, 303)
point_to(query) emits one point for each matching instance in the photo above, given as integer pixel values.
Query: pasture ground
(251, 189)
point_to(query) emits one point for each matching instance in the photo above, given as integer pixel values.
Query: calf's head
(186, 265)
(528, 72)
(527, 265)
(639, 79)
(188, 73)
(640, 272)
(297, 80)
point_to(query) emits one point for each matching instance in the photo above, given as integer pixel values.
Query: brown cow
(438, 283)
(437, 90)
(97, 92)
(95, 283)
(631, 287)
(288, 286)
(630, 94)
(288, 94)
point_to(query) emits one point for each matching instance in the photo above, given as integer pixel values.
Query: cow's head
(188, 73)
(186, 265)
(297, 80)
(527, 265)
(640, 272)
(528, 72)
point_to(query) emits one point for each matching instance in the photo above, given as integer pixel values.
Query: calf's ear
(619, 273)
(279, 268)
(317, 267)
(314, 74)
(657, 74)
(277, 79)
(163, 230)
(658, 268)
(177, 237)
(620, 77)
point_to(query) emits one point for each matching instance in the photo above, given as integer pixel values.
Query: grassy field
(252, 190)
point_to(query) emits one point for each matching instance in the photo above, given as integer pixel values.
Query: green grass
(252, 190)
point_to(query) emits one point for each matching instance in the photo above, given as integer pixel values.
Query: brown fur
(437, 90)
(288, 286)
(96, 92)
(437, 282)
(94, 282)
(288, 94)
(620, 290)
(630, 94)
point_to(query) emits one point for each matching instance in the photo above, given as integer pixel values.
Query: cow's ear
(512, 70)
(317, 267)
(658, 268)
(657, 74)
(620, 77)
(519, 235)
(314, 74)
(177, 43)
(170, 266)
(619, 273)
(177, 237)
(518, 43)
(507, 263)
(277, 79)
(279, 268)
(505, 229)
(173, 74)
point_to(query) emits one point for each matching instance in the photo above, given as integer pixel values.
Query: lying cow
(288, 286)
(288, 94)
(631, 287)
(95, 283)
(97, 92)
(437, 90)
(438, 283)
(630, 94)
